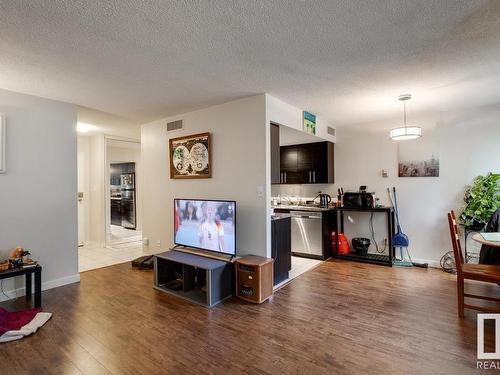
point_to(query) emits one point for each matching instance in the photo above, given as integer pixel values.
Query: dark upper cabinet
(289, 159)
(275, 154)
(306, 155)
(289, 167)
(310, 163)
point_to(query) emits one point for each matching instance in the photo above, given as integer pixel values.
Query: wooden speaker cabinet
(254, 278)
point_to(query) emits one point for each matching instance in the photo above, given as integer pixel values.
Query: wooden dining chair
(478, 272)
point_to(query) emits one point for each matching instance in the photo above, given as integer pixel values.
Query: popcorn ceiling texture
(344, 60)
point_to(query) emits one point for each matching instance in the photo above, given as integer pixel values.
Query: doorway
(110, 188)
(123, 229)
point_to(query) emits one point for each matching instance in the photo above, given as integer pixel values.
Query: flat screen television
(205, 224)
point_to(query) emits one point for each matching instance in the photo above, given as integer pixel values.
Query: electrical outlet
(158, 243)
(145, 241)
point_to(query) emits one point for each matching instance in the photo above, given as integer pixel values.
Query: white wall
(239, 134)
(127, 152)
(97, 196)
(106, 123)
(38, 192)
(83, 187)
(285, 114)
(469, 146)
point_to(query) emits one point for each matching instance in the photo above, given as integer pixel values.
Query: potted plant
(481, 199)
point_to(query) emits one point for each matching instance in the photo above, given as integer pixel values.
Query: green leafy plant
(482, 199)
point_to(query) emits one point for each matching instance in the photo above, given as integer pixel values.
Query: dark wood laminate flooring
(340, 317)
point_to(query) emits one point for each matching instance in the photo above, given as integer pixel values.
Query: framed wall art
(309, 122)
(420, 157)
(190, 156)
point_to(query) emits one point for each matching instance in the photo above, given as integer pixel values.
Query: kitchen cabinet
(289, 161)
(310, 163)
(116, 212)
(281, 248)
(290, 172)
(328, 224)
(275, 154)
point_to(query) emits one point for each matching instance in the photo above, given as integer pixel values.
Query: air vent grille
(331, 131)
(174, 125)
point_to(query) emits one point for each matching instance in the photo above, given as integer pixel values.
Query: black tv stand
(204, 280)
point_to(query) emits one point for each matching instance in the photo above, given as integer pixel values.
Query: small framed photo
(190, 156)
(2, 143)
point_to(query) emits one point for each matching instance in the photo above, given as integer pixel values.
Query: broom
(400, 239)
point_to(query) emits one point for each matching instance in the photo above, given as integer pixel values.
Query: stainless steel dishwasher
(307, 234)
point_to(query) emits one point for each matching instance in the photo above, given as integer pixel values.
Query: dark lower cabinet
(116, 212)
(281, 247)
(328, 225)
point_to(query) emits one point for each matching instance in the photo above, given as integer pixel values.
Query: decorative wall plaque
(190, 156)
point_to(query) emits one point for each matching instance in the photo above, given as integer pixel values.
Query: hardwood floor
(340, 317)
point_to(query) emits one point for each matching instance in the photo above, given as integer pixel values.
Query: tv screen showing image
(205, 224)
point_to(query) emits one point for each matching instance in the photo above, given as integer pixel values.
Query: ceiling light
(405, 132)
(82, 127)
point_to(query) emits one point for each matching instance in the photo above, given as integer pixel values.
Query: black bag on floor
(143, 263)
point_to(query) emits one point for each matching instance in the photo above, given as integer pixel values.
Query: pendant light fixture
(405, 132)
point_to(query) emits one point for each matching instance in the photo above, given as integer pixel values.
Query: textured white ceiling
(344, 60)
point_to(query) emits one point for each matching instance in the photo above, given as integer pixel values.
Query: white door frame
(106, 187)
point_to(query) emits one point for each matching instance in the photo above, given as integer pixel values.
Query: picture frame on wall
(419, 157)
(309, 122)
(191, 156)
(2, 143)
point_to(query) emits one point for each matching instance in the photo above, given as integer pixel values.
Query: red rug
(14, 321)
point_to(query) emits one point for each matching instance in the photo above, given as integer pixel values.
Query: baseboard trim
(20, 292)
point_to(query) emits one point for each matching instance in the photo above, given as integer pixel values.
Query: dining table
(479, 238)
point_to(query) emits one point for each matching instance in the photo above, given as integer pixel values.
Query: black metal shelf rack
(381, 259)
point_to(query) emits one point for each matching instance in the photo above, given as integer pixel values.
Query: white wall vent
(174, 125)
(331, 131)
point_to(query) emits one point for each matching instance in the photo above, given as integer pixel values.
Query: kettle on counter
(324, 200)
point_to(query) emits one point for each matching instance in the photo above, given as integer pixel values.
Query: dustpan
(401, 239)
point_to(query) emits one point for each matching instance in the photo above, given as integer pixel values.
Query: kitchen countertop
(301, 208)
(331, 208)
(279, 216)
